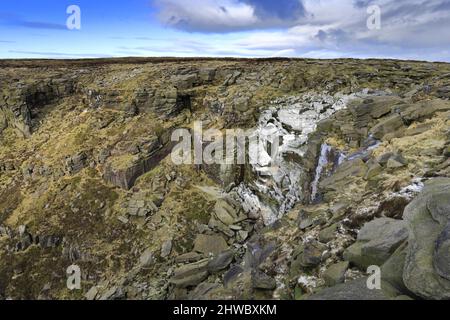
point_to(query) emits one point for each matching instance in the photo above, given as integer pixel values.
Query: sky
(400, 29)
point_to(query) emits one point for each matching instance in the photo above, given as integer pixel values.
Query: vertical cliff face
(87, 178)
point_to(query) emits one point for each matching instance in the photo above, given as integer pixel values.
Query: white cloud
(329, 28)
(212, 15)
(229, 15)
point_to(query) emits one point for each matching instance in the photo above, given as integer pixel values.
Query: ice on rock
(412, 190)
(323, 160)
(253, 207)
(283, 128)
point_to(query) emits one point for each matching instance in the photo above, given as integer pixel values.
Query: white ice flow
(290, 120)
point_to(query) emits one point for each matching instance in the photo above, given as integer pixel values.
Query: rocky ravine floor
(86, 178)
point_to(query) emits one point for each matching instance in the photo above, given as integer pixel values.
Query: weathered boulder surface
(373, 108)
(335, 274)
(424, 110)
(191, 274)
(352, 290)
(392, 272)
(427, 265)
(221, 262)
(207, 244)
(387, 126)
(377, 240)
(344, 175)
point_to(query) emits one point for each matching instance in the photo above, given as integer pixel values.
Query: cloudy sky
(408, 29)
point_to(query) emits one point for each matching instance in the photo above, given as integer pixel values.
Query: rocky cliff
(362, 179)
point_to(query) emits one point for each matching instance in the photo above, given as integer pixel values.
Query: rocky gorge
(361, 179)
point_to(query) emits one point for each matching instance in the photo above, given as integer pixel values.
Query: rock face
(335, 274)
(190, 275)
(328, 234)
(353, 290)
(377, 240)
(427, 262)
(19, 106)
(76, 163)
(210, 244)
(221, 262)
(392, 271)
(263, 281)
(311, 255)
(344, 175)
(147, 258)
(124, 171)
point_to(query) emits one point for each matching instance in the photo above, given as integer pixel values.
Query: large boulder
(206, 74)
(262, 281)
(376, 242)
(388, 125)
(427, 265)
(373, 108)
(443, 92)
(424, 110)
(307, 256)
(207, 244)
(191, 274)
(335, 274)
(185, 81)
(76, 163)
(344, 175)
(221, 262)
(392, 272)
(352, 290)
(225, 212)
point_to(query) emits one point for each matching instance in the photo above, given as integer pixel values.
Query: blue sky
(409, 29)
